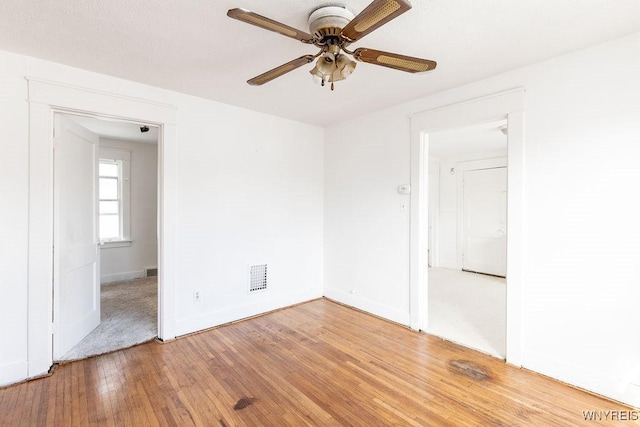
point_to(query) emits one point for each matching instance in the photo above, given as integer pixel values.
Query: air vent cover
(257, 278)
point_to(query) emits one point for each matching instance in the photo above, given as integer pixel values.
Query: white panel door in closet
(485, 221)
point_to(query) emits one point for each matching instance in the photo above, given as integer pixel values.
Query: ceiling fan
(332, 29)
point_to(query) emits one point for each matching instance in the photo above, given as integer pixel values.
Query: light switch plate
(404, 189)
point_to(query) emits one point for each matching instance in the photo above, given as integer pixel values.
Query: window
(113, 194)
(110, 200)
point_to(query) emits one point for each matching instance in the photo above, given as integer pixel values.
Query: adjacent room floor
(469, 309)
(129, 316)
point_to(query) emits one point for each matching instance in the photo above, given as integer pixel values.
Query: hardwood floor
(317, 363)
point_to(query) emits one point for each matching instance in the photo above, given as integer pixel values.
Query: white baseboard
(597, 382)
(375, 308)
(214, 318)
(118, 277)
(13, 373)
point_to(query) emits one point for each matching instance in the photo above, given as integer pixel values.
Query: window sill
(115, 244)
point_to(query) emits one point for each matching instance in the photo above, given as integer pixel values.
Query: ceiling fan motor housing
(328, 22)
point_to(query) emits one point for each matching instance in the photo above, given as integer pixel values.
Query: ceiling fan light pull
(332, 85)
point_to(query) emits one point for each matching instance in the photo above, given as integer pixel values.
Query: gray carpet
(129, 316)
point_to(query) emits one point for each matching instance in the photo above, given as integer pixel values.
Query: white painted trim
(509, 104)
(124, 157)
(40, 254)
(475, 111)
(167, 219)
(90, 102)
(105, 279)
(434, 213)
(112, 244)
(516, 252)
(419, 223)
(45, 98)
(461, 168)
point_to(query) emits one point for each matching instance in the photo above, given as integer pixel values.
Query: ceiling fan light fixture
(345, 66)
(332, 68)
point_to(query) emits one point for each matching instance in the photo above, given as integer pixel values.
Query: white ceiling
(193, 47)
(470, 139)
(116, 129)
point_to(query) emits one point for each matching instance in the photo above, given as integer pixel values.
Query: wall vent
(150, 272)
(257, 278)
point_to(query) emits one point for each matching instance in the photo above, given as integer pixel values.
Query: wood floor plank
(316, 364)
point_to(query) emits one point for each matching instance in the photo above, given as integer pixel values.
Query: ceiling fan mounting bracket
(326, 23)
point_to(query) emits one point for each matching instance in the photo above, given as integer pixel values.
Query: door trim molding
(45, 99)
(434, 213)
(510, 105)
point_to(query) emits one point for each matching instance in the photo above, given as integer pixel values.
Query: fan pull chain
(335, 63)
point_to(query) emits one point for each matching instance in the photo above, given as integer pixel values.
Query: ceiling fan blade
(393, 60)
(279, 71)
(268, 24)
(378, 13)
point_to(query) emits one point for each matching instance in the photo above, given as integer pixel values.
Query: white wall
(448, 216)
(13, 220)
(250, 189)
(125, 263)
(582, 238)
(366, 228)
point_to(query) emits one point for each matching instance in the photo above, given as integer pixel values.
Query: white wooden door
(76, 249)
(485, 221)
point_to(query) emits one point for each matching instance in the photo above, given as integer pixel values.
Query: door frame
(45, 99)
(433, 212)
(510, 105)
(462, 167)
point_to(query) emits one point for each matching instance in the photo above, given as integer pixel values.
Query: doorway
(116, 305)
(469, 219)
(45, 99)
(498, 106)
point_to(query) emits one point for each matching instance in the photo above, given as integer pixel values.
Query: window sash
(119, 194)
